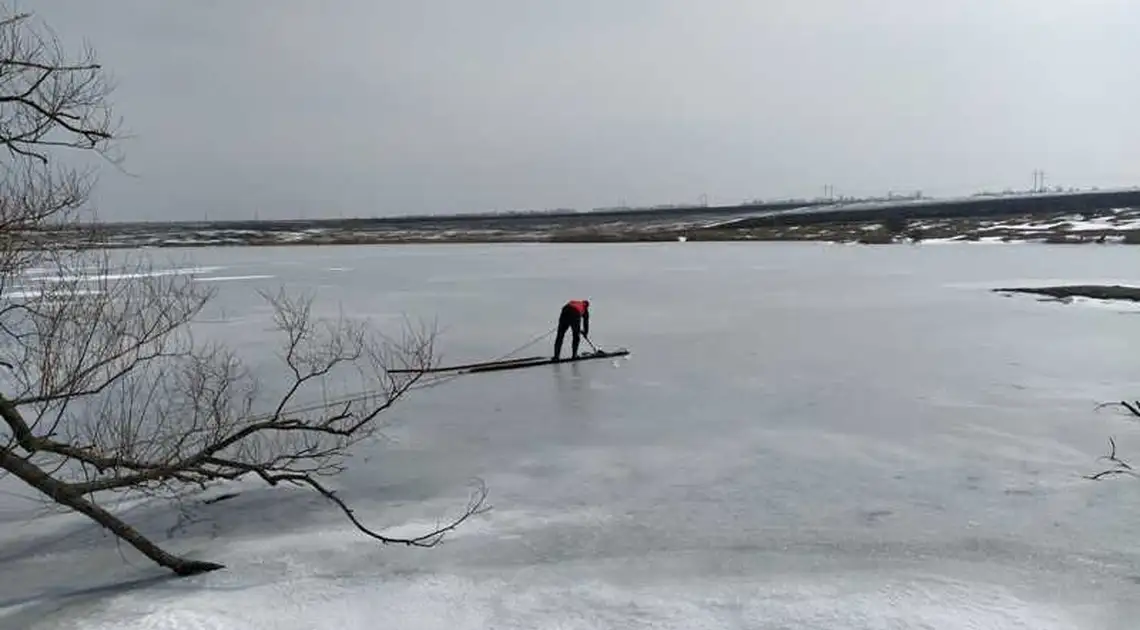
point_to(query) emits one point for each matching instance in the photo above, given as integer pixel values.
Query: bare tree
(1119, 466)
(104, 389)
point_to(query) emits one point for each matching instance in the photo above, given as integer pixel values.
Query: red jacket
(583, 308)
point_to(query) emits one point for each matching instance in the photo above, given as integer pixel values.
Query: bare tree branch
(104, 389)
(1132, 408)
(47, 100)
(136, 406)
(1120, 467)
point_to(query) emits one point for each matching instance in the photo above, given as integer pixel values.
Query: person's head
(586, 303)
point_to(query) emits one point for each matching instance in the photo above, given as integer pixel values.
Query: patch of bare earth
(1067, 292)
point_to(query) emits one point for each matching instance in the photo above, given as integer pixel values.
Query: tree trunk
(62, 494)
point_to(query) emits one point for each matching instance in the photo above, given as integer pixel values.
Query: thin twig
(1121, 467)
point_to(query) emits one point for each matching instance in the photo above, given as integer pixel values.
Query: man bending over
(575, 316)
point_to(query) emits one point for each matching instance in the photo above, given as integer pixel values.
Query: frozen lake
(804, 436)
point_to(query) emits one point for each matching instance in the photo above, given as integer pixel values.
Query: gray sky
(295, 108)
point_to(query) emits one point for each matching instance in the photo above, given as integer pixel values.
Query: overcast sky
(290, 108)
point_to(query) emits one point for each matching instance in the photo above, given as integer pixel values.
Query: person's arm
(586, 323)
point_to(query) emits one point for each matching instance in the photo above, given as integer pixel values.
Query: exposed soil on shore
(1096, 292)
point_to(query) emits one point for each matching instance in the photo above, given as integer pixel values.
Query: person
(575, 316)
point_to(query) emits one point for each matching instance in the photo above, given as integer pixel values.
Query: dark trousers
(572, 320)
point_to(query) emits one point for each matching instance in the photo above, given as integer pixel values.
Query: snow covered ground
(1112, 226)
(805, 436)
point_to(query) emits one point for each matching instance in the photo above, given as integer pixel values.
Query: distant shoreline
(1106, 227)
(1103, 217)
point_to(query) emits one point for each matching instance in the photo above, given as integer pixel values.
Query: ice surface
(233, 278)
(805, 436)
(122, 276)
